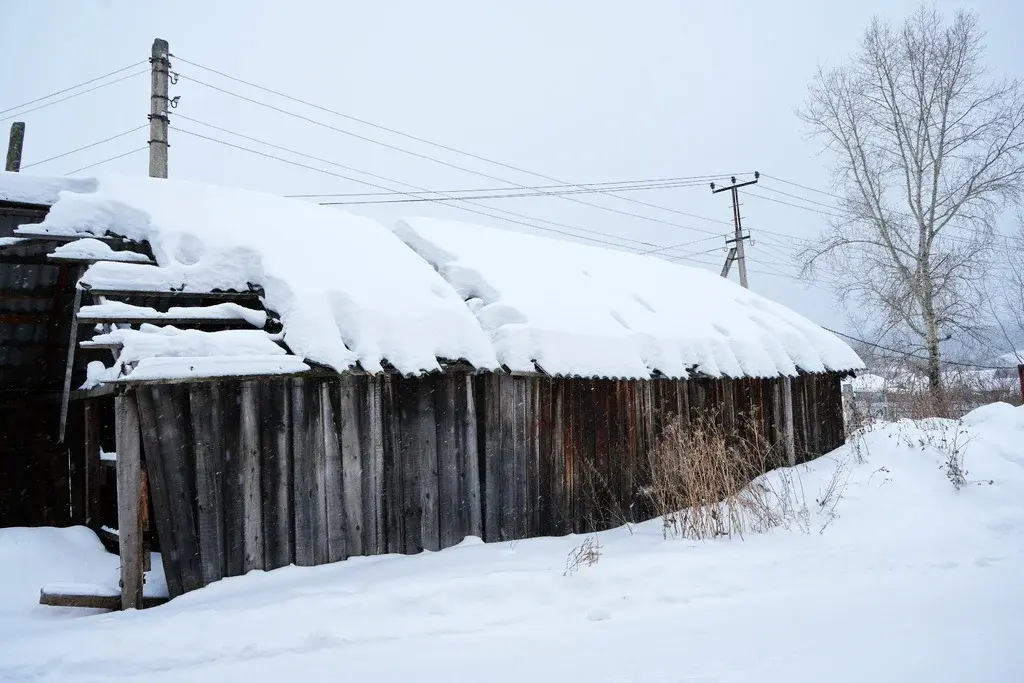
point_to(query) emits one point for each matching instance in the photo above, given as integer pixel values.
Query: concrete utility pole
(160, 66)
(740, 237)
(14, 146)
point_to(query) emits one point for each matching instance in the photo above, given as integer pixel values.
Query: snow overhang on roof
(346, 289)
(577, 310)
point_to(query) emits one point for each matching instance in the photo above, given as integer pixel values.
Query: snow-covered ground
(897, 577)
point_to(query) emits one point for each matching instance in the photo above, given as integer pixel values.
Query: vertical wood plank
(411, 511)
(372, 440)
(276, 451)
(232, 495)
(469, 459)
(149, 414)
(347, 417)
(302, 475)
(208, 447)
(492, 457)
(393, 474)
(333, 476)
(602, 440)
(560, 493)
(249, 467)
(450, 461)
(176, 456)
(615, 460)
(318, 470)
(129, 509)
(520, 451)
(534, 497)
(507, 458)
(426, 455)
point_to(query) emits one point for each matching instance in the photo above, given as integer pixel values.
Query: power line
(440, 161)
(847, 214)
(646, 181)
(113, 158)
(73, 87)
(93, 144)
(656, 247)
(507, 195)
(915, 356)
(74, 95)
(410, 196)
(460, 207)
(453, 149)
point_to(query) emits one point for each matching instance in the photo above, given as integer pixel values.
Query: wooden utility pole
(740, 256)
(160, 65)
(14, 146)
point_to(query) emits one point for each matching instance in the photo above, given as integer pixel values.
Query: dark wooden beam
(92, 463)
(95, 392)
(163, 320)
(176, 294)
(109, 602)
(24, 318)
(27, 232)
(25, 294)
(70, 366)
(81, 260)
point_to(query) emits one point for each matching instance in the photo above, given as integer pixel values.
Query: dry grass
(704, 483)
(586, 554)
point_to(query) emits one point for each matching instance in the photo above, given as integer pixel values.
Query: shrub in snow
(706, 482)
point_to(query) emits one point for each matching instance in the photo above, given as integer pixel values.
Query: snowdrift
(894, 576)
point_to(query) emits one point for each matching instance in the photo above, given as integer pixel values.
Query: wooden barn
(242, 382)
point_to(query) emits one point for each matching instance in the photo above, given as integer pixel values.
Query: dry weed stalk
(705, 483)
(585, 554)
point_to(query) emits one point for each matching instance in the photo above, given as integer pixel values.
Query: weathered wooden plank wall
(262, 473)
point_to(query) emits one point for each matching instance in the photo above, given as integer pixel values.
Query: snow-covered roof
(348, 290)
(29, 189)
(573, 309)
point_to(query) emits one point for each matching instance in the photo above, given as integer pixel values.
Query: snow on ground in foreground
(31, 558)
(911, 581)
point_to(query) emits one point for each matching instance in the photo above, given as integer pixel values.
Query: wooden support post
(69, 368)
(787, 420)
(92, 463)
(129, 499)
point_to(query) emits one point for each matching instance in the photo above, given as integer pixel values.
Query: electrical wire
(74, 95)
(625, 183)
(449, 148)
(113, 158)
(460, 207)
(518, 195)
(73, 87)
(843, 213)
(93, 144)
(915, 356)
(432, 159)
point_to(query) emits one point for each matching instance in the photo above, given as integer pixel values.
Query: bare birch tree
(928, 150)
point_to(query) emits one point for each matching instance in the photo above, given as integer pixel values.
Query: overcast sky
(582, 91)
